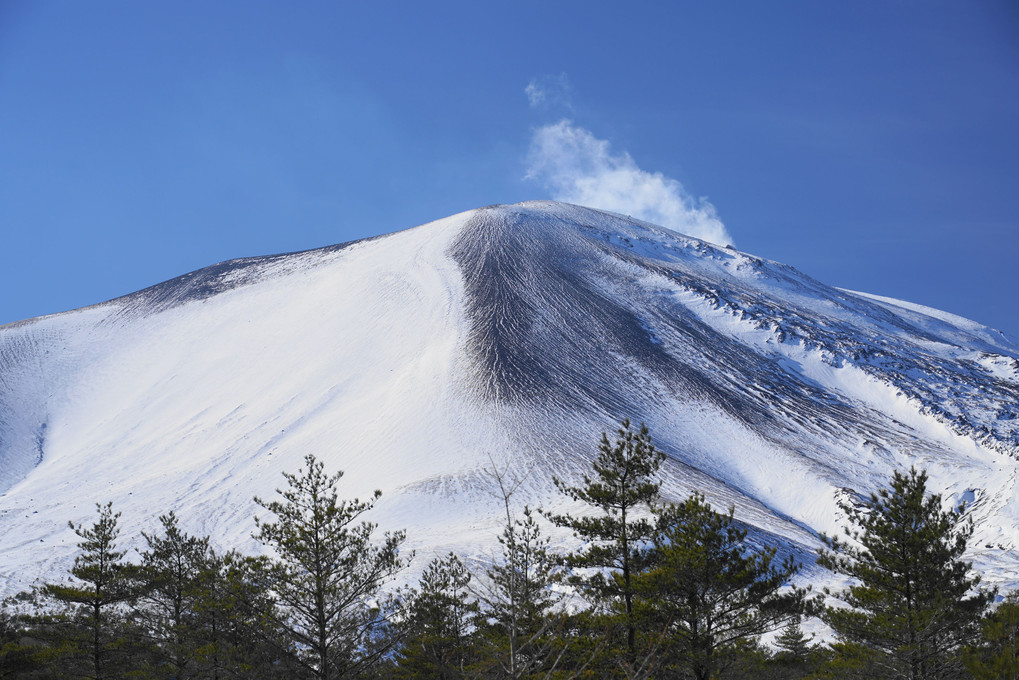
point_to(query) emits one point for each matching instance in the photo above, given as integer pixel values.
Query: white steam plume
(577, 167)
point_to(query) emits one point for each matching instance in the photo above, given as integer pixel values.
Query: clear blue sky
(873, 145)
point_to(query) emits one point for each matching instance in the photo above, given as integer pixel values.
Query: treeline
(656, 590)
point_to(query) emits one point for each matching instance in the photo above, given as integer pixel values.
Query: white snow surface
(509, 336)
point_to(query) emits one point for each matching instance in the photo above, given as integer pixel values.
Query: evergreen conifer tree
(327, 573)
(709, 592)
(623, 491)
(103, 582)
(442, 616)
(996, 657)
(18, 659)
(915, 605)
(794, 645)
(239, 619)
(175, 567)
(234, 624)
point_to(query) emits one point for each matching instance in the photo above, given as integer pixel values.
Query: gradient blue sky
(873, 145)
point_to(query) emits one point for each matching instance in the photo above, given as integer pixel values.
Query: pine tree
(237, 619)
(104, 583)
(327, 574)
(709, 592)
(442, 616)
(623, 491)
(174, 568)
(916, 603)
(996, 657)
(18, 658)
(794, 645)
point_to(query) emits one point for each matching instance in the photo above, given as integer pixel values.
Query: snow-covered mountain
(509, 336)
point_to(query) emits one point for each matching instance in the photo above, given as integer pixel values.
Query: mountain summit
(507, 337)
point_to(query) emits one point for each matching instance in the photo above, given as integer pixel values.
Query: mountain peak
(507, 335)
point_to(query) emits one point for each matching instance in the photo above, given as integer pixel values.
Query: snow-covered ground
(509, 336)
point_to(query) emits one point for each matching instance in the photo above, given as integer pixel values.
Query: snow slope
(507, 336)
